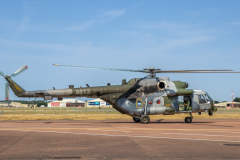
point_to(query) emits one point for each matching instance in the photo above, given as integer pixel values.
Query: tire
(145, 119)
(210, 113)
(188, 120)
(136, 119)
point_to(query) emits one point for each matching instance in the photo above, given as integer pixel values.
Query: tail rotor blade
(1, 73)
(19, 71)
(7, 91)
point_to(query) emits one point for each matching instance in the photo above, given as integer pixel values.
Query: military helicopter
(139, 97)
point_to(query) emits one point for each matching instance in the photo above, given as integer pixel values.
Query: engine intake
(162, 85)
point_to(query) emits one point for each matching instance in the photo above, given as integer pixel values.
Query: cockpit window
(208, 98)
(201, 99)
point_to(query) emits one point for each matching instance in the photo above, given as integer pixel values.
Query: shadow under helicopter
(160, 121)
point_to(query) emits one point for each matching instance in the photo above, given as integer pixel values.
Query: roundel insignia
(149, 102)
(158, 101)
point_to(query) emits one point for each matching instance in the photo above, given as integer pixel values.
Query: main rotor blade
(198, 71)
(7, 91)
(153, 70)
(1, 73)
(201, 70)
(19, 71)
(130, 70)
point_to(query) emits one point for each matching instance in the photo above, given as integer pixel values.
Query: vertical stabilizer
(18, 90)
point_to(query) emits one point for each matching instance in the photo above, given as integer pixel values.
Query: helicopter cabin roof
(199, 92)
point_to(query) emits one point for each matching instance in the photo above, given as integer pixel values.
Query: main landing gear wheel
(145, 119)
(136, 119)
(188, 120)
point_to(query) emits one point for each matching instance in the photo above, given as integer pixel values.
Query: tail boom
(18, 90)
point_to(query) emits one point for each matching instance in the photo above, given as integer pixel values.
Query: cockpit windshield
(208, 98)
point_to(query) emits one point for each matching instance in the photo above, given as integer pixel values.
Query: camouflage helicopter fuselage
(138, 96)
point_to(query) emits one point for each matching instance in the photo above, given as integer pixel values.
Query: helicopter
(139, 97)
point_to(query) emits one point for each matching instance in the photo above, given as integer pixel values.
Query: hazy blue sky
(124, 34)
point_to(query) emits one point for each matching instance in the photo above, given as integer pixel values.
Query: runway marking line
(202, 135)
(206, 130)
(212, 131)
(127, 136)
(107, 130)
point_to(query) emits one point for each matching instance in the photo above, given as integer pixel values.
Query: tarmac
(120, 139)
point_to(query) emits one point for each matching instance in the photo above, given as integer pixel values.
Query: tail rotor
(13, 75)
(7, 91)
(19, 71)
(1, 74)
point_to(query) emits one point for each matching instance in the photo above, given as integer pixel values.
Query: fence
(56, 111)
(77, 111)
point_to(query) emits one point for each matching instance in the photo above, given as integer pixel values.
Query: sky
(136, 34)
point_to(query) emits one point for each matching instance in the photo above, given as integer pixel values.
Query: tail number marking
(15, 86)
(83, 91)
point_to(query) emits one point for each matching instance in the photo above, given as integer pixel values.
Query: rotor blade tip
(26, 67)
(55, 64)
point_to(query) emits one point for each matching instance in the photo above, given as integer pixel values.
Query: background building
(98, 103)
(13, 104)
(228, 104)
(67, 103)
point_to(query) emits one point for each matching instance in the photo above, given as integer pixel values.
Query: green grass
(57, 111)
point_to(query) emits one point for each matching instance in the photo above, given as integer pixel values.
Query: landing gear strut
(189, 119)
(136, 119)
(145, 119)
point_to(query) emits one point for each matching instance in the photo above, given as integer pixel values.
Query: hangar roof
(97, 100)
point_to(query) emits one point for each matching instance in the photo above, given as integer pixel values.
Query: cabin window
(201, 99)
(180, 99)
(180, 102)
(139, 103)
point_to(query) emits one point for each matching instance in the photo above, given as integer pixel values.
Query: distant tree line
(38, 103)
(237, 99)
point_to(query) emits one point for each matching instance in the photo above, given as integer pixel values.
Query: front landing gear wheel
(145, 119)
(210, 113)
(188, 120)
(136, 119)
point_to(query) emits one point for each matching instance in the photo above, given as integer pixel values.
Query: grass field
(97, 114)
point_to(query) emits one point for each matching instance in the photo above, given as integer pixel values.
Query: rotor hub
(152, 71)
